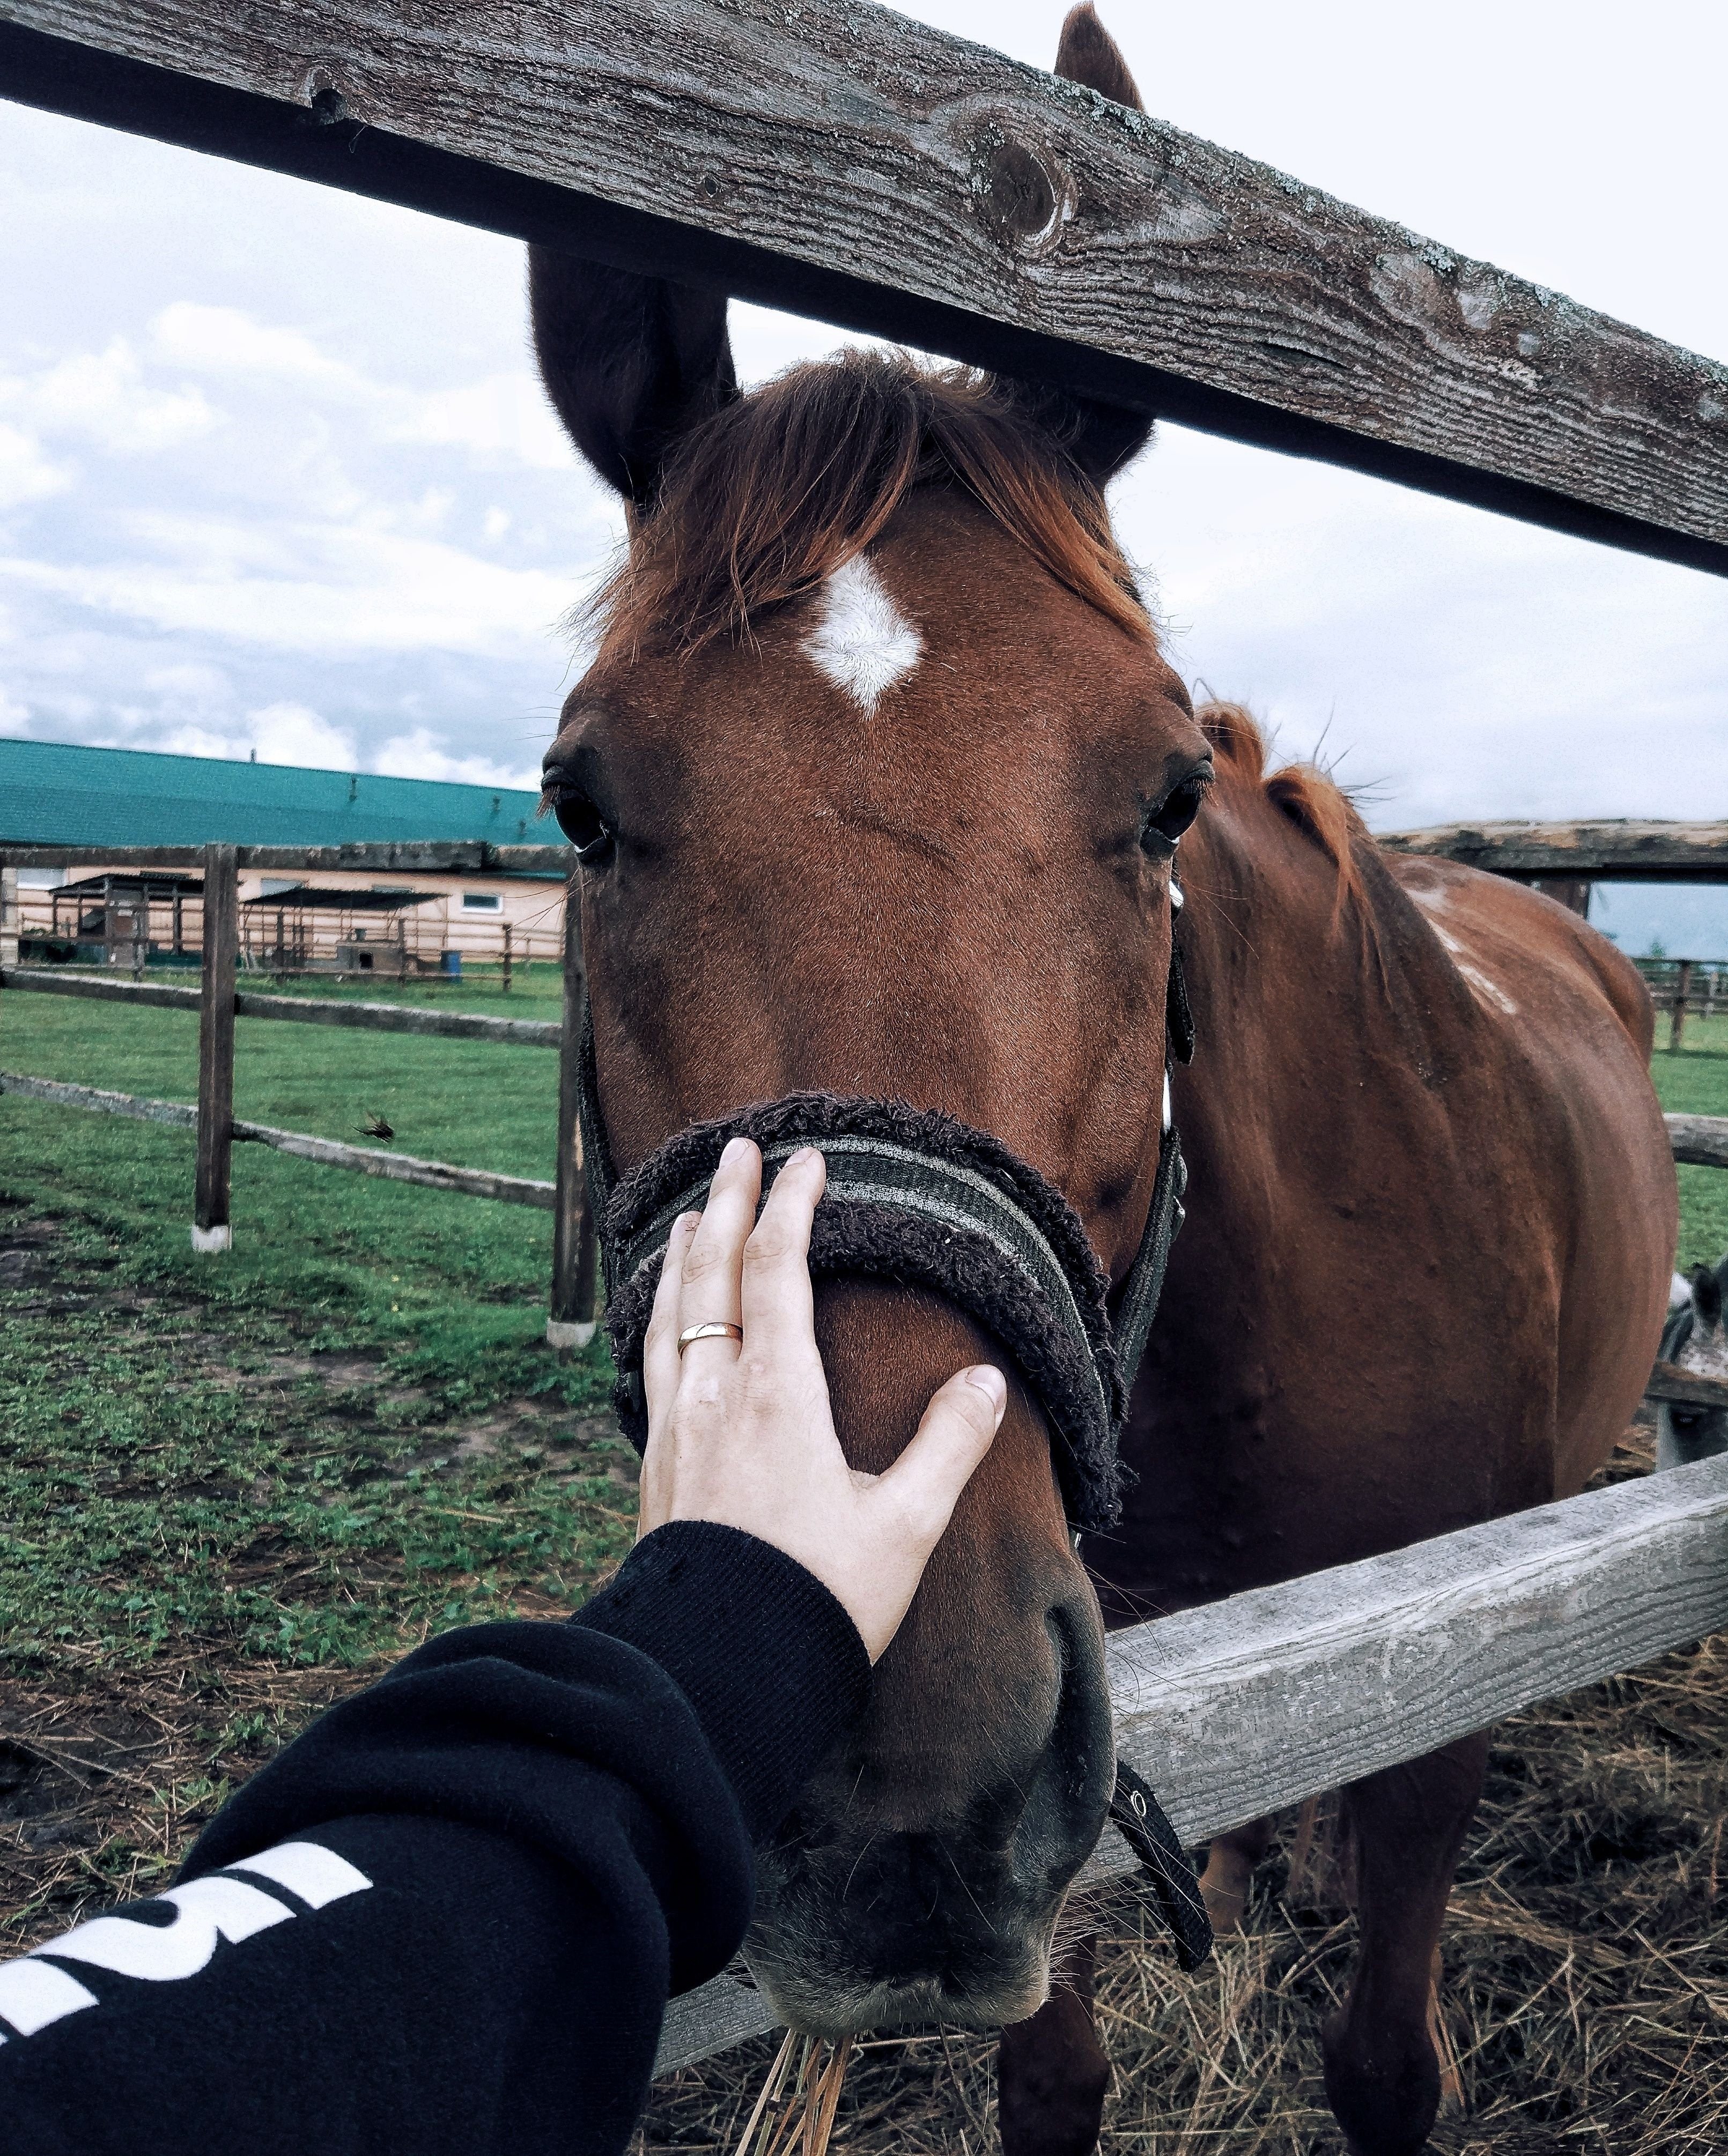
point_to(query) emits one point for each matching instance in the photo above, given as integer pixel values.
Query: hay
(106, 1775)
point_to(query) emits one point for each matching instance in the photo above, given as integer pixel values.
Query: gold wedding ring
(715, 1329)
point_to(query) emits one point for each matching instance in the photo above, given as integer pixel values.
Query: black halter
(918, 1198)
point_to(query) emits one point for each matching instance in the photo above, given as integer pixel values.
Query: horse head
(1696, 1338)
(876, 780)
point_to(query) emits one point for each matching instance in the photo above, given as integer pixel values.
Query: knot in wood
(1026, 197)
(324, 100)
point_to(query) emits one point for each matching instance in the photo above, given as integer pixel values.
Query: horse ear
(630, 363)
(1086, 54)
(1707, 1294)
(1100, 438)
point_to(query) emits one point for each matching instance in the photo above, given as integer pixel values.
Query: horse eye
(581, 822)
(1683, 1419)
(1176, 812)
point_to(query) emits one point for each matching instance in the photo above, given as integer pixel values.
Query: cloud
(25, 472)
(228, 340)
(421, 754)
(321, 590)
(104, 397)
(279, 733)
(502, 418)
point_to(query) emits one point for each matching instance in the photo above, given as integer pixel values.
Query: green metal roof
(52, 795)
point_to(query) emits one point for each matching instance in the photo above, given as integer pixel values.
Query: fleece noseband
(918, 1198)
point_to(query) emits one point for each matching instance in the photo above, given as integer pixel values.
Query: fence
(841, 161)
(142, 919)
(1240, 1708)
(1684, 988)
(218, 1001)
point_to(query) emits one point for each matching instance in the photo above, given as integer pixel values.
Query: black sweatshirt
(449, 1916)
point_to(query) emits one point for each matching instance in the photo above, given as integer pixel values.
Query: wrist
(774, 1668)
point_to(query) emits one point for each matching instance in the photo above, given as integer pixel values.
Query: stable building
(319, 919)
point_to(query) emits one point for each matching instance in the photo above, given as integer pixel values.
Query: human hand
(742, 1432)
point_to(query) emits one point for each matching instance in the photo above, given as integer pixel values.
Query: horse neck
(1297, 990)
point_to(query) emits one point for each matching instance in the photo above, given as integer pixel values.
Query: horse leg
(1051, 2072)
(1408, 1826)
(1229, 1874)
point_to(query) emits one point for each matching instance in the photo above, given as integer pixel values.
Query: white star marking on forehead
(861, 641)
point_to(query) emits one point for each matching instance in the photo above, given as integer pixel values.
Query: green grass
(1695, 1083)
(160, 1480)
(165, 1481)
(298, 1227)
(536, 991)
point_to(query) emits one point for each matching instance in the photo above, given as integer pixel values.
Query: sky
(275, 474)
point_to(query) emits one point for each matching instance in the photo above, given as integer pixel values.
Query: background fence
(219, 1000)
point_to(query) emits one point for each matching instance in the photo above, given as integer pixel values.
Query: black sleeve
(449, 1916)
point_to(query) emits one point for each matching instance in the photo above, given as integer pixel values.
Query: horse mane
(767, 498)
(1302, 792)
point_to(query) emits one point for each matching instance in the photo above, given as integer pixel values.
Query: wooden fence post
(1677, 1021)
(9, 917)
(507, 955)
(210, 1228)
(571, 1324)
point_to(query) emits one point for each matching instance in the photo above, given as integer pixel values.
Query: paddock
(732, 147)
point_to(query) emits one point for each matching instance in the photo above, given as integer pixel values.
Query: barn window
(481, 901)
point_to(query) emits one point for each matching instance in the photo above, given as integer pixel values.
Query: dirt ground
(1585, 1954)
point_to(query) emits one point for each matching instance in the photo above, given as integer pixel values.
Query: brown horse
(878, 778)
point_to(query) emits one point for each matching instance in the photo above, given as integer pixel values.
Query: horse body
(1430, 1214)
(1430, 1209)
(878, 778)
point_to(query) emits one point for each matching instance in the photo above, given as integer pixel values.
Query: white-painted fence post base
(565, 1336)
(208, 1241)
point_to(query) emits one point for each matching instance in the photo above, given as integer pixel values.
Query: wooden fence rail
(1241, 1707)
(842, 160)
(327, 1152)
(1698, 1141)
(296, 1010)
(1616, 850)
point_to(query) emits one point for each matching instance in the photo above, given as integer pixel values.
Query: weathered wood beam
(420, 856)
(842, 160)
(1620, 850)
(1242, 1707)
(401, 1167)
(1698, 1141)
(327, 1152)
(212, 1231)
(298, 1010)
(1688, 1388)
(178, 1115)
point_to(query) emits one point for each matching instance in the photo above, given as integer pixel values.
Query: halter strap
(921, 1198)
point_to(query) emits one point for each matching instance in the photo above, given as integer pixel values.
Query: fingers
(958, 1428)
(777, 1303)
(660, 1344)
(714, 1258)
